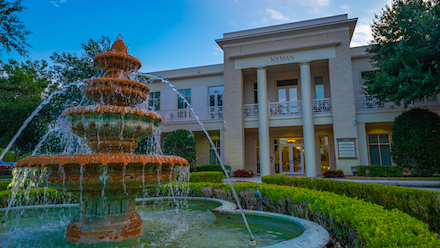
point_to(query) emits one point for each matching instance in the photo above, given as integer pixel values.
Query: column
(363, 149)
(263, 122)
(308, 125)
(222, 145)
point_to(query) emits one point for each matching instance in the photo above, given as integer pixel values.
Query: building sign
(285, 58)
(282, 58)
(347, 148)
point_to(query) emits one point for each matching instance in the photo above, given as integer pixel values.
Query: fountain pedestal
(109, 180)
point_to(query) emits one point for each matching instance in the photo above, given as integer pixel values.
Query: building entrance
(291, 157)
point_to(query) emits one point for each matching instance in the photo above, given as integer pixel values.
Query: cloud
(57, 3)
(362, 35)
(345, 8)
(276, 15)
(217, 51)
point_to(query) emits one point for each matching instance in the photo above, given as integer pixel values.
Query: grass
(395, 178)
(6, 176)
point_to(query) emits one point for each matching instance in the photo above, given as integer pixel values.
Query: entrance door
(292, 158)
(288, 100)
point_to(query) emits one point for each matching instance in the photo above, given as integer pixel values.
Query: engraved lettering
(282, 58)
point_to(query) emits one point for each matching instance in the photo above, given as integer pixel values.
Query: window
(212, 157)
(379, 147)
(215, 96)
(255, 93)
(154, 101)
(319, 87)
(324, 151)
(187, 95)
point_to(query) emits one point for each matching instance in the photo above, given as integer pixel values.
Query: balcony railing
(289, 108)
(369, 102)
(210, 113)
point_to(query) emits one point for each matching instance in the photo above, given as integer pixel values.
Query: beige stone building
(287, 99)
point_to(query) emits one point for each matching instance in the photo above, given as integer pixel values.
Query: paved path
(428, 185)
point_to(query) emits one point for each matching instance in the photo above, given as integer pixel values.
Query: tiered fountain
(109, 179)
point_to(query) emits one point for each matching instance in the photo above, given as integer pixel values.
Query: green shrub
(416, 135)
(9, 156)
(351, 222)
(213, 177)
(4, 184)
(38, 196)
(380, 171)
(181, 143)
(421, 204)
(211, 167)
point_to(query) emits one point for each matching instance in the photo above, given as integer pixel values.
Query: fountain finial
(119, 45)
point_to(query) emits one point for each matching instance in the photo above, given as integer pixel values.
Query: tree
(406, 52)
(22, 88)
(12, 31)
(416, 146)
(181, 143)
(70, 67)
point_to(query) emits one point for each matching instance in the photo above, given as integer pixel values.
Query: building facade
(287, 99)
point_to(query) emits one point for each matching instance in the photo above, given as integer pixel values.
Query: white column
(308, 125)
(362, 138)
(263, 122)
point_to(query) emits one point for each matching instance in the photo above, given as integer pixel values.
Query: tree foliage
(181, 143)
(406, 52)
(12, 31)
(71, 67)
(416, 146)
(22, 89)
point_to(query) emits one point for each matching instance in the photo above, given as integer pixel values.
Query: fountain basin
(220, 230)
(110, 129)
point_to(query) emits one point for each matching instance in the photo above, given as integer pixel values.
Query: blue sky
(173, 34)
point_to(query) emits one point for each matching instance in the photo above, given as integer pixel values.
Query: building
(287, 99)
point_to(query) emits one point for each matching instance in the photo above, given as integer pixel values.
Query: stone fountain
(108, 180)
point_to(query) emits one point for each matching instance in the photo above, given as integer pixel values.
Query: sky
(173, 34)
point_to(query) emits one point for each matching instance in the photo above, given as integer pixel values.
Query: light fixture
(355, 122)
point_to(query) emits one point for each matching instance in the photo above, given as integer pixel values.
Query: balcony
(364, 102)
(289, 108)
(210, 113)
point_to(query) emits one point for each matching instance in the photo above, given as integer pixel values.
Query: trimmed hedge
(211, 167)
(350, 222)
(4, 184)
(38, 196)
(379, 171)
(212, 176)
(421, 204)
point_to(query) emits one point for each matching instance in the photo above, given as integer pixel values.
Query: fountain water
(112, 131)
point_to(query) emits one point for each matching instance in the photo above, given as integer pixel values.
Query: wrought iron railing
(289, 108)
(369, 102)
(186, 114)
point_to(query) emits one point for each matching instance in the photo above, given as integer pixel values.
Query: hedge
(38, 196)
(211, 167)
(4, 184)
(212, 176)
(421, 204)
(350, 222)
(379, 171)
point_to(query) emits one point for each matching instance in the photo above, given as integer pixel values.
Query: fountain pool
(206, 222)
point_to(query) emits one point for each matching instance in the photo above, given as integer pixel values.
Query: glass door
(292, 158)
(216, 102)
(288, 100)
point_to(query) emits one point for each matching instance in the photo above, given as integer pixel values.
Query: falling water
(212, 145)
(36, 111)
